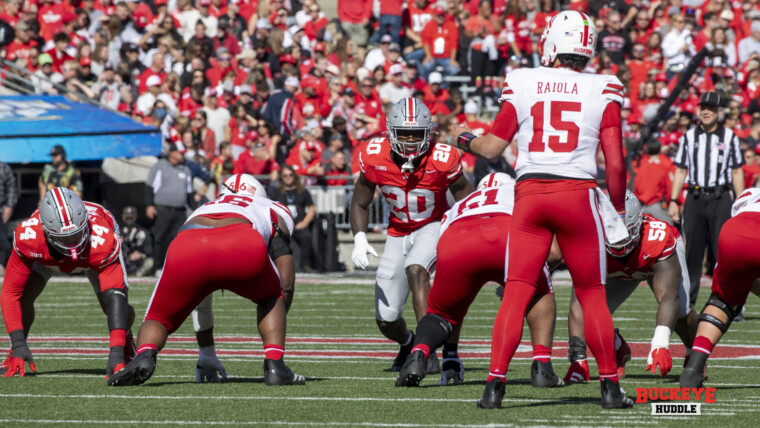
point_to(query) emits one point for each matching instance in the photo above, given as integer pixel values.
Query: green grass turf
(340, 392)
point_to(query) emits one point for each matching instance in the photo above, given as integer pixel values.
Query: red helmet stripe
(237, 182)
(410, 109)
(585, 29)
(63, 209)
(490, 180)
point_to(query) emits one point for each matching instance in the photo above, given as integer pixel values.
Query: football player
(653, 252)
(560, 116)
(66, 235)
(470, 253)
(413, 176)
(239, 243)
(738, 267)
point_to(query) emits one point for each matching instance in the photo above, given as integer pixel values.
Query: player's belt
(193, 226)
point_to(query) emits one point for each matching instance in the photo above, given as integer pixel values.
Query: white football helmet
(243, 184)
(569, 32)
(632, 220)
(495, 179)
(64, 220)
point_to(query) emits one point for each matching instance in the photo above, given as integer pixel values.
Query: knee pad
(203, 315)
(730, 310)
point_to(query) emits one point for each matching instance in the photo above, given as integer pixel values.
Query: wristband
(661, 338)
(673, 200)
(464, 141)
(17, 338)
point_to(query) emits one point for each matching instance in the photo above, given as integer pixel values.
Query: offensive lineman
(414, 178)
(648, 255)
(66, 235)
(470, 253)
(239, 243)
(560, 117)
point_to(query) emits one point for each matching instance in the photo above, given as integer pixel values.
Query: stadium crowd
(252, 86)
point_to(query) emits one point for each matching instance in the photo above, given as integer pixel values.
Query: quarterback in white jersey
(238, 242)
(560, 118)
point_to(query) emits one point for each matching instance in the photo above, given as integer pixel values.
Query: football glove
(361, 249)
(660, 357)
(20, 355)
(115, 360)
(207, 368)
(577, 372)
(452, 370)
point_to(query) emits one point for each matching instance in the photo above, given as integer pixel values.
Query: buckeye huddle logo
(676, 401)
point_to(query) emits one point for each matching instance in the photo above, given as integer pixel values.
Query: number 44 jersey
(417, 198)
(559, 114)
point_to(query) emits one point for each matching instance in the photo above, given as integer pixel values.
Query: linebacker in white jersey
(471, 253)
(238, 243)
(737, 270)
(559, 117)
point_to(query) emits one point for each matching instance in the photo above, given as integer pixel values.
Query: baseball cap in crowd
(333, 69)
(108, 66)
(252, 135)
(263, 23)
(287, 59)
(160, 2)
(132, 47)
(435, 78)
(153, 80)
(85, 61)
(21, 26)
(247, 54)
(129, 212)
(394, 47)
(319, 47)
(294, 29)
(204, 2)
(386, 39)
(291, 81)
(45, 59)
(661, 77)
(221, 51)
(348, 92)
(210, 92)
(245, 89)
(228, 86)
(58, 150)
(412, 63)
(141, 19)
(174, 147)
(710, 99)
(470, 107)
(396, 69)
(727, 15)
(438, 10)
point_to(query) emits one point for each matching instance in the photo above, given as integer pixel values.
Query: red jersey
(415, 199)
(657, 242)
(417, 18)
(653, 179)
(442, 40)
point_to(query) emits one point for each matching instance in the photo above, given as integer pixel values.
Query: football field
(334, 342)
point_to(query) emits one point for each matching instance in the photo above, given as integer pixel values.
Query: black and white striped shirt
(709, 157)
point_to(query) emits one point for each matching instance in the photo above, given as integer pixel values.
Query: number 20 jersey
(414, 199)
(559, 114)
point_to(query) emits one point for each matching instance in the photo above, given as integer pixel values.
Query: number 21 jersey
(414, 199)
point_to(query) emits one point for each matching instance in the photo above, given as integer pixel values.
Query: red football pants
(201, 261)
(470, 253)
(738, 258)
(572, 216)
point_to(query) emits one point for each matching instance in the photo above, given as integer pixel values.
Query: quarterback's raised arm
(493, 144)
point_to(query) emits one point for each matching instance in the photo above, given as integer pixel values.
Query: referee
(709, 161)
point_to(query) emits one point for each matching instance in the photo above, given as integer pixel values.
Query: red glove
(578, 372)
(20, 355)
(660, 357)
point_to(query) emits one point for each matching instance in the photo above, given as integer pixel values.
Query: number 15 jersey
(414, 199)
(559, 114)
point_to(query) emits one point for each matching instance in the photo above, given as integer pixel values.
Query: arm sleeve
(505, 125)
(611, 137)
(16, 274)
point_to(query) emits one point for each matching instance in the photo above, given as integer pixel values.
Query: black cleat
(413, 371)
(403, 354)
(691, 378)
(613, 396)
(493, 395)
(277, 373)
(139, 370)
(433, 364)
(542, 375)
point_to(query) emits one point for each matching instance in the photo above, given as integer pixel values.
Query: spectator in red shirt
(337, 166)
(390, 21)
(639, 68)
(652, 182)
(11, 13)
(156, 69)
(51, 18)
(437, 98)
(354, 16)
(440, 40)
(59, 52)
(751, 168)
(306, 156)
(256, 160)
(22, 44)
(471, 120)
(316, 23)
(367, 102)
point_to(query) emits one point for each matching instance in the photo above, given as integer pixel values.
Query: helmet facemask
(409, 143)
(623, 248)
(70, 243)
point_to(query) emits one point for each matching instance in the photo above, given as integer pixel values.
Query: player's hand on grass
(659, 357)
(209, 370)
(361, 249)
(20, 356)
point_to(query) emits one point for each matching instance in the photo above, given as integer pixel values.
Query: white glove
(361, 249)
(207, 368)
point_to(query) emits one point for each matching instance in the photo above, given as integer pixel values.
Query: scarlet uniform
(100, 260)
(739, 250)
(417, 18)
(202, 260)
(415, 199)
(471, 251)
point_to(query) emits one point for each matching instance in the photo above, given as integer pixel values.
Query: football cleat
(277, 373)
(691, 378)
(542, 375)
(452, 370)
(433, 364)
(493, 395)
(704, 370)
(577, 372)
(500, 292)
(613, 396)
(413, 371)
(622, 355)
(139, 370)
(130, 348)
(403, 354)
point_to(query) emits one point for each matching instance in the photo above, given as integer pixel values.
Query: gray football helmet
(64, 220)
(632, 220)
(410, 120)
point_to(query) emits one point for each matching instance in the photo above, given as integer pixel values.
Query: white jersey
(260, 212)
(748, 201)
(559, 112)
(491, 200)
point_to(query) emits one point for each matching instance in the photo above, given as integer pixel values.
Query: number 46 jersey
(414, 199)
(559, 115)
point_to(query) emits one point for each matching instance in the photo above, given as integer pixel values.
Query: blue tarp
(31, 125)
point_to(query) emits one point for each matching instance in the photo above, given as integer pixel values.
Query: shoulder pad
(104, 244)
(612, 89)
(285, 214)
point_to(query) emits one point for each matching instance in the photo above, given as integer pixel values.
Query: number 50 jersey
(414, 199)
(559, 113)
